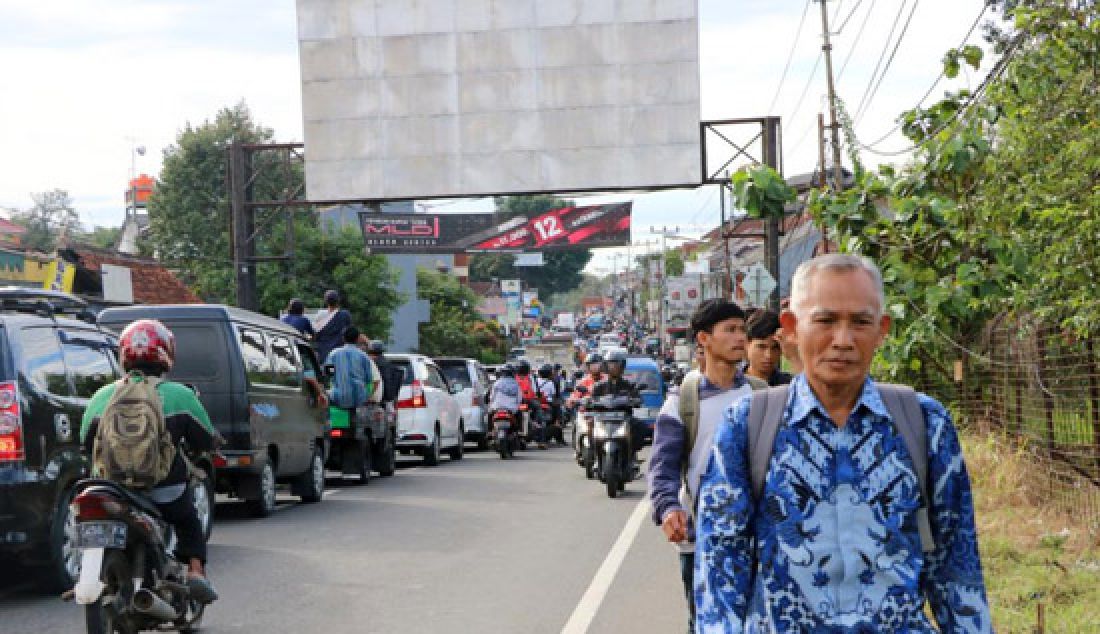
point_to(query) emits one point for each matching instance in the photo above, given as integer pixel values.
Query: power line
(805, 89)
(840, 29)
(939, 78)
(790, 55)
(881, 57)
(855, 42)
(890, 61)
(979, 93)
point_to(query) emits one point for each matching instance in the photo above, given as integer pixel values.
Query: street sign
(758, 284)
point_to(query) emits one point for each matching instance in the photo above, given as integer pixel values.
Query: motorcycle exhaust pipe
(146, 602)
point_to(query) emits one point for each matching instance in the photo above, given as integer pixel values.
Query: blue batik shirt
(832, 545)
(353, 382)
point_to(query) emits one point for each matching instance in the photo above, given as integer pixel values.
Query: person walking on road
(330, 324)
(681, 449)
(837, 503)
(764, 351)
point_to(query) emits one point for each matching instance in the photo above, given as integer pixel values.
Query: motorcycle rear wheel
(104, 619)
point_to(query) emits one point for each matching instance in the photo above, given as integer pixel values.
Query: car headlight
(599, 432)
(620, 431)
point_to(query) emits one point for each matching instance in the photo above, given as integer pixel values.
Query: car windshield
(639, 376)
(456, 373)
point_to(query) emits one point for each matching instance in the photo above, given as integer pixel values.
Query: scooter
(611, 418)
(582, 438)
(129, 579)
(504, 435)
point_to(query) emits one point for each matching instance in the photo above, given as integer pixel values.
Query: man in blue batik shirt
(353, 383)
(832, 545)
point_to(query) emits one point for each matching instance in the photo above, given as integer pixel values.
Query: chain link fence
(1041, 387)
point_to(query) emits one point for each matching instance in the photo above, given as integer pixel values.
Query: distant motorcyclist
(549, 391)
(147, 350)
(594, 364)
(530, 395)
(617, 385)
(505, 394)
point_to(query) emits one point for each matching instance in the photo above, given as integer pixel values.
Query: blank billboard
(420, 98)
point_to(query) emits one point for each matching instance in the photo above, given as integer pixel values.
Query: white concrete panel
(323, 19)
(328, 59)
(578, 46)
(493, 92)
(581, 128)
(500, 131)
(570, 12)
(497, 50)
(415, 98)
(421, 136)
(341, 99)
(579, 87)
(430, 54)
(483, 172)
(339, 138)
(419, 95)
(411, 17)
(660, 125)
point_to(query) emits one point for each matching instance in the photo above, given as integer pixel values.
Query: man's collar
(706, 383)
(805, 401)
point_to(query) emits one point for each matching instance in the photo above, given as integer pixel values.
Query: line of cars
(250, 372)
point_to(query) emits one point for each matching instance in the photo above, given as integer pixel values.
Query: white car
(429, 418)
(470, 375)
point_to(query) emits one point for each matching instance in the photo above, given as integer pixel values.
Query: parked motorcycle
(504, 433)
(611, 417)
(129, 579)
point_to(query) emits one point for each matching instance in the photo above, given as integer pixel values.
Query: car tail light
(336, 433)
(416, 399)
(11, 424)
(95, 506)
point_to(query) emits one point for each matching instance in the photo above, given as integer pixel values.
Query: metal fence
(1040, 386)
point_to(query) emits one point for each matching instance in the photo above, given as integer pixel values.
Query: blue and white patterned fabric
(832, 545)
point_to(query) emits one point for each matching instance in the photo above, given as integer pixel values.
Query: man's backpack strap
(765, 414)
(905, 409)
(689, 410)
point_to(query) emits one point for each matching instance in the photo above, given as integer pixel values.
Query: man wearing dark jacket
(330, 325)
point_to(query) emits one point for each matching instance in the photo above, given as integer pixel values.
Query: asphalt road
(480, 545)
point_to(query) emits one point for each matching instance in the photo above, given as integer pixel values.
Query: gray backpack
(133, 445)
(766, 413)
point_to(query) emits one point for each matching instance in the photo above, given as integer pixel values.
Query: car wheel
(459, 449)
(265, 504)
(64, 557)
(431, 454)
(311, 484)
(202, 495)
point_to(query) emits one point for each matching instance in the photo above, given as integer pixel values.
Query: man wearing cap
(330, 325)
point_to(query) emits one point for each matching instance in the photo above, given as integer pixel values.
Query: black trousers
(184, 518)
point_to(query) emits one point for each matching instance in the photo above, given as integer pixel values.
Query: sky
(87, 83)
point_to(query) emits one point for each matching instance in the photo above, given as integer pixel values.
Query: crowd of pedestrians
(820, 500)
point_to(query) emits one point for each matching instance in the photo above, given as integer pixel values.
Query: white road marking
(329, 492)
(589, 604)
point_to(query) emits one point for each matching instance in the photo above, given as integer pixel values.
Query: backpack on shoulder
(766, 413)
(689, 406)
(133, 445)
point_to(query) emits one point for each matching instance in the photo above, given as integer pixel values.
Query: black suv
(53, 358)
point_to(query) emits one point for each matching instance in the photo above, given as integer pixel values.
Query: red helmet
(147, 342)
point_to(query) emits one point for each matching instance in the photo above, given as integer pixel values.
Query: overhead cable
(790, 55)
(890, 61)
(881, 57)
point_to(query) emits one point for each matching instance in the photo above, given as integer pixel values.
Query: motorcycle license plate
(100, 535)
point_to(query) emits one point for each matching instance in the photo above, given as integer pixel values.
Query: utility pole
(827, 48)
(242, 226)
(770, 144)
(728, 260)
(821, 174)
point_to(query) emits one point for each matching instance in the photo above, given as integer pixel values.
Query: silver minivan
(472, 382)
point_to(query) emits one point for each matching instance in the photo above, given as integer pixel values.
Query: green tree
(995, 213)
(674, 263)
(456, 328)
(189, 229)
(561, 271)
(51, 218)
(103, 237)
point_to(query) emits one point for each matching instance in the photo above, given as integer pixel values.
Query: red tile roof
(152, 283)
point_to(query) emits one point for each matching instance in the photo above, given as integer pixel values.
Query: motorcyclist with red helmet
(147, 349)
